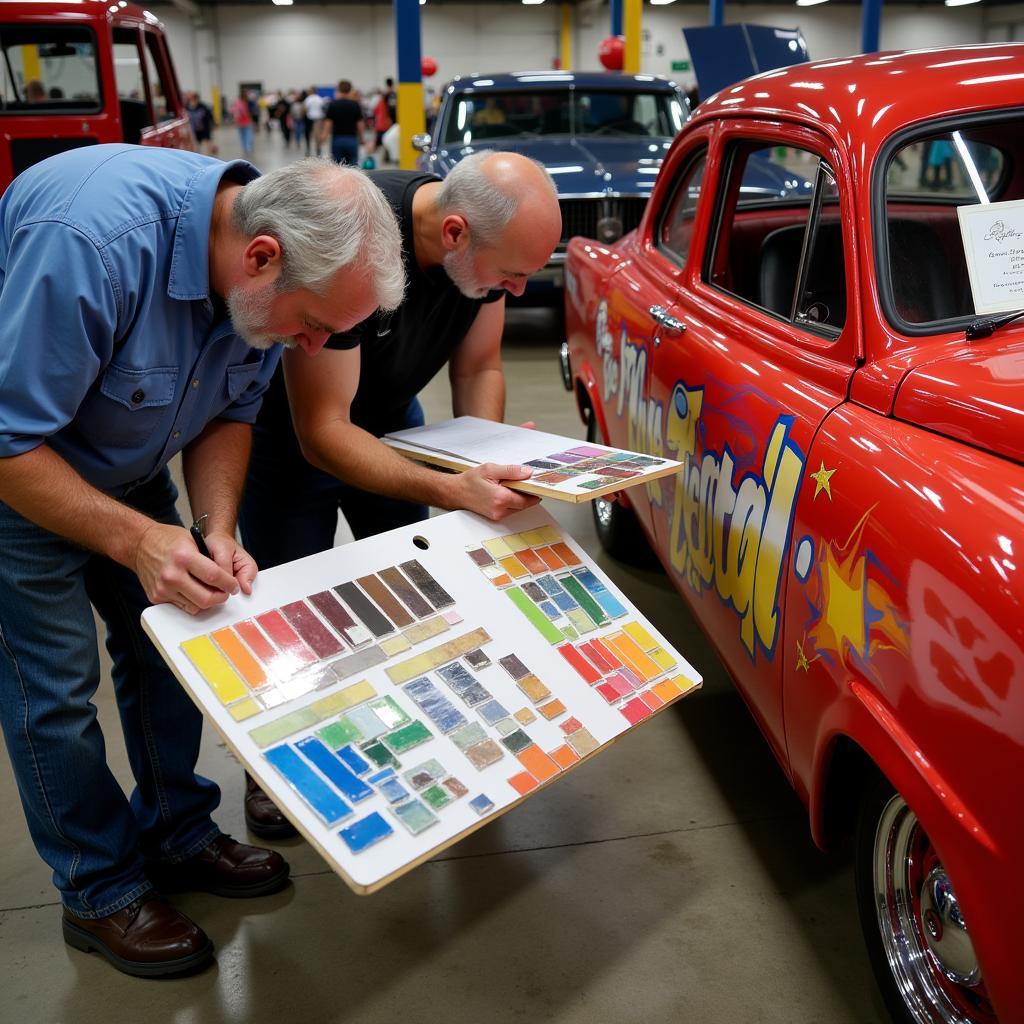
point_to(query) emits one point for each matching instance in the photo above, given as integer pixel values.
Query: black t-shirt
(400, 352)
(344, 116)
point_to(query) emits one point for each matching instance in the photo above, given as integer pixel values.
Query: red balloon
(611, 52)
(428, 66)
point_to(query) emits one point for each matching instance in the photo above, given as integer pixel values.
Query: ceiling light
(661, 3)
(809, 3)
(960, 3)
(282, 3)
(533, 1)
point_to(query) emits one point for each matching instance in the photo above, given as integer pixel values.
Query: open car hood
(975, 396)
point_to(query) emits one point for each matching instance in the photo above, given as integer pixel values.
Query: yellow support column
(30, 63)
(566, 40)
(632, 23)
(215, 104)
(411, 121)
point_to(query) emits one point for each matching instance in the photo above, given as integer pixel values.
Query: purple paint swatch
(334, 612)
(311, 629)
(564, 457)
(586, 451)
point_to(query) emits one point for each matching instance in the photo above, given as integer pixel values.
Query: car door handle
(670, 323)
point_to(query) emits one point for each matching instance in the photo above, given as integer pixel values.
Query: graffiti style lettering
(733, 538)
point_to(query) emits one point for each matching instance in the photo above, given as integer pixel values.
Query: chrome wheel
(603, 512)
(924, 937)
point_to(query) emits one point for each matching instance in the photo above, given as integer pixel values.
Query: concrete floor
(670, 879)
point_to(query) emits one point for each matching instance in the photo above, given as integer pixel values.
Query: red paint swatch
(652, 700)
(523, 783)
(595, 655)
(571, 725)
(256, 641)
(333, 611)
(635, 710)
(323, 643)
(285, 637)
(605, 653)
(578, 662)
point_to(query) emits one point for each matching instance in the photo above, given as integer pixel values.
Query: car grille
(580, 216)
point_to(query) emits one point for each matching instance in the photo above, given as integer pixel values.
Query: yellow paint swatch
(640, 635)
(631, 654)
(548, 535)
(425, 630)
(244, 708)
(662, 659)
(497, 548)
(524, 716)
(517, 541)
(344, 699)
(394, 645)
(215, 669)
(579, 618)
(684, 684)
(240, 657)
(533, 688)
(514, 567)
(535, 538)
(456, 648)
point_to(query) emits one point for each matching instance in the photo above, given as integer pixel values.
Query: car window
(675, 229)
(48, 69)
(778, 240)
(486, 114)
(158, 83)
(923, 275)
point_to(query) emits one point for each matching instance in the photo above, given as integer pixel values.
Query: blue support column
(411, 118)
(870, 25)
(716, 12)
(616, 11)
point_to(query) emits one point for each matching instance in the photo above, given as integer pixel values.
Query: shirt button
(176, 435)
(195, 383)
(138, 396)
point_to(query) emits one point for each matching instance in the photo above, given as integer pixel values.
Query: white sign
(993, 235)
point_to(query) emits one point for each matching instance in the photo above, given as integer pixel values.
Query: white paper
(993, 237)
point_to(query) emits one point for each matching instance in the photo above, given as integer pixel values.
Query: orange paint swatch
(552, 709)
(627, 649)
(238, 654)
(537, 763)
(564, 756)
(523, 783)
(652, 700)
(549, 558)
(503, 580)
(514, 567)
(666, 690)
(566, 553)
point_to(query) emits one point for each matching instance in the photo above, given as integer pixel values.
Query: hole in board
(421, 542)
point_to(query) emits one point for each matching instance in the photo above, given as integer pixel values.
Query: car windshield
(47, 69)
(923, 271)
(592, 112)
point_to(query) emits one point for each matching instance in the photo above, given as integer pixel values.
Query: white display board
(394, 694)
(993, 235)
(563, 468)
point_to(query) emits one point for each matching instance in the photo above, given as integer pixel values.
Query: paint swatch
(427, 585)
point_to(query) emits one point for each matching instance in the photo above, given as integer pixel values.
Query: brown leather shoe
(147, 939)
(225, 868)
(262, 816)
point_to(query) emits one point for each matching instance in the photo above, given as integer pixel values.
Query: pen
(198, 531)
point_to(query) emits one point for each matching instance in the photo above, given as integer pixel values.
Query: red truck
(80, 73)
(848, 527)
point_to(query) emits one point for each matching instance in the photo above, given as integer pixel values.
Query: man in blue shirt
(145, 295)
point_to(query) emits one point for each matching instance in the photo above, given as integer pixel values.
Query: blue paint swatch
(393, 791)
(492, 712)
(560, 597)
(612, 606)
(320, 797)
(550, 610)
(346, 780)
(365, 832)
(354, 761)
(482, 804)
(378, 777)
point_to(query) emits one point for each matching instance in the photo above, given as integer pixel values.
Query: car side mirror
(421, 142)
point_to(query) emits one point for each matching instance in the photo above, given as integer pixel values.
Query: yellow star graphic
(821, 481)
(801, 658)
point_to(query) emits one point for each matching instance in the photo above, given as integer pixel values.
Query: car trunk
(975, 396)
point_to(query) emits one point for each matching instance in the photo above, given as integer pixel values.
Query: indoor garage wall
(298, 46)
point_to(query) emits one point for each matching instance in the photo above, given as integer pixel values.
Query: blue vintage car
(601, 135)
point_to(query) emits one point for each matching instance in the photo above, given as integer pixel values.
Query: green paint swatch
(389, 712)
(339, 733)
(411, 735)
(273, 732)
(583, 599)
(537, 618)
(436, 797)
(570, 633)
(380, 755)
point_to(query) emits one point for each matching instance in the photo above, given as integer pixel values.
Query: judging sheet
(562, 467)
(993, 237)
(394, 694)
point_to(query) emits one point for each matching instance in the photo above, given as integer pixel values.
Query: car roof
(69, 9)
(873, 95)
(532, 81)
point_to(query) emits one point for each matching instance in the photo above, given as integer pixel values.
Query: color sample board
(395, 694)
(562, 467)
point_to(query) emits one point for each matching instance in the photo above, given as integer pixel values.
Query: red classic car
(78, 72)
(848, 527)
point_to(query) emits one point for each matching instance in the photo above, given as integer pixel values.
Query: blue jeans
(290, 508)
(95, 839)
(345, 149)
(245, 139)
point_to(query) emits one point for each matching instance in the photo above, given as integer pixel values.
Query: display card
(394, 694)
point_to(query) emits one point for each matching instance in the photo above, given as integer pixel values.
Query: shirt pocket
(129, 405)
(240, 376)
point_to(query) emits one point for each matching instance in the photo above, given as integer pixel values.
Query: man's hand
(172, 571)
(479, 490)
(233, 558)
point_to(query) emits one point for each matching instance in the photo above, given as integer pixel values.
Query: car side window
(778, 240)
(158, 84)
(675, 228)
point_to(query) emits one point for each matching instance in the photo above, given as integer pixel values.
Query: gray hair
(326, 217)
(470, 191)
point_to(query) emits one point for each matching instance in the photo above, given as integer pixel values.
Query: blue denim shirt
(111, 350)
